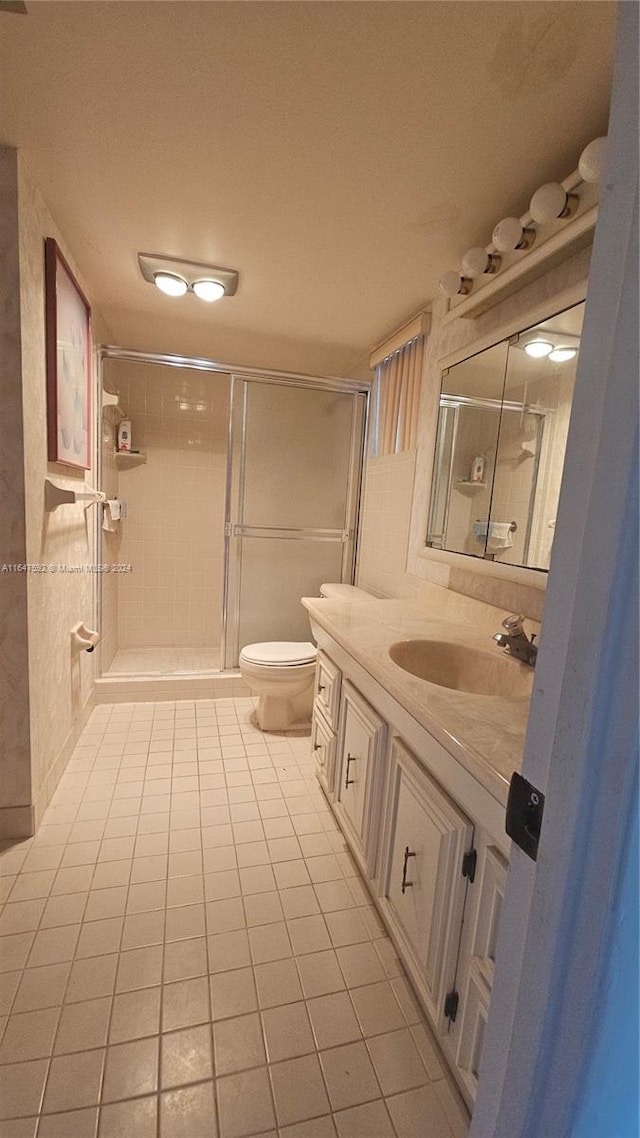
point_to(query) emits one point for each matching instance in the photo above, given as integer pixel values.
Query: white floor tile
(238, 1044)
(245, 1103)
(287, 1032)
(187, 941)
(298, 1090)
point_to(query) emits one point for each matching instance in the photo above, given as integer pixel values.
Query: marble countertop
(484, 733)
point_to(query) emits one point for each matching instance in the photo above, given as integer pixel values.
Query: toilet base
(273, 713)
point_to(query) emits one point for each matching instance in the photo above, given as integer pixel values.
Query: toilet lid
(279, 653)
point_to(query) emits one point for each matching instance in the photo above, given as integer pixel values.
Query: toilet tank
(339, 592)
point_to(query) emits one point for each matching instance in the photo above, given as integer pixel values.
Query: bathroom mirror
(500, 445)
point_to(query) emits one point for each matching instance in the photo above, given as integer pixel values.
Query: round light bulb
(475, 262)
(208, 290)
(509, 235)
(450, 284)
(561, 355)
(170, 283)
(538, 348)
(591, 164)
(549, 203)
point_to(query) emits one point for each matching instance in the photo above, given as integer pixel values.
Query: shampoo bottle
(124, 435)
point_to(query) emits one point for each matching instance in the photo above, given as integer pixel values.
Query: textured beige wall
(15, 775)
(60, 682)
(384, 533)
(173, 535)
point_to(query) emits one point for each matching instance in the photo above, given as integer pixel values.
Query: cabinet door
(323, 746)
(362, 735)
(476, 965)
(425, 889)
(328, 678)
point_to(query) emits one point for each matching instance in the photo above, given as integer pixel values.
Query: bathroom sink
(461, 668)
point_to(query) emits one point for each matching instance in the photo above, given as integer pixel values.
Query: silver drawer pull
(406, 884)
(349, 781)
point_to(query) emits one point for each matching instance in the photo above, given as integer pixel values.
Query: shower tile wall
(514, 480)
(477, 430)
(173, 534)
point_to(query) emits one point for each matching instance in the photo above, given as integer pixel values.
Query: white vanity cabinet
(361, 745)
(430, 843)
(422, 882)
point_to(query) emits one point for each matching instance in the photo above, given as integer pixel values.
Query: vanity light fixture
(452, 284)
(490, 272)
(538, 349)
(551, 202)
(562, 355)
(510, 234)
(591, 164)
(477, 261)
(175, 277)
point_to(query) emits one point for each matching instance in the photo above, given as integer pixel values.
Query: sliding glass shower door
(295, 467)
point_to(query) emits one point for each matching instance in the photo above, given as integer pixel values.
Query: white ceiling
(339, 155)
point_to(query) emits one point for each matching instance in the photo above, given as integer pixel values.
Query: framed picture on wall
(68, 349)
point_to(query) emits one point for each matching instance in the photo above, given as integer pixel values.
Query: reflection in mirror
(501, 440)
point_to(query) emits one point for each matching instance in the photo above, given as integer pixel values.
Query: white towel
(111, 515)
(500, 536)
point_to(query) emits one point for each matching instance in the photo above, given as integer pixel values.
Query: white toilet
(281, 673)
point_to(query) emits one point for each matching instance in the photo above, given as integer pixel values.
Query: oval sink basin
(461, 668)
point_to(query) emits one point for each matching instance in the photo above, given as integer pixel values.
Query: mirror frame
(435, 564)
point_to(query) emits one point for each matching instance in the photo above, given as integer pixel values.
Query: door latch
(525, 807)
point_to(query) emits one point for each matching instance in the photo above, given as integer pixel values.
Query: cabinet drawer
(328, 678)
(323, 746)
(425, 889)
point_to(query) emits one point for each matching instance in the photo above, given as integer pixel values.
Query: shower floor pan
(157, 674)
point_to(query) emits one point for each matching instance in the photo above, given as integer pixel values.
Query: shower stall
(239, 496)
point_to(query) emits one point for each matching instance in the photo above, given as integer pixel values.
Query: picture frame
(68, 357)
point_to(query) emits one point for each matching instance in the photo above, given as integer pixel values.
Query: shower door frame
(360, 387)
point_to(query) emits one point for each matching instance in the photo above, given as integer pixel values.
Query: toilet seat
(279, 654)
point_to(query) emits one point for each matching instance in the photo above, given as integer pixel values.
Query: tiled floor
(163, 661)
(186, 950)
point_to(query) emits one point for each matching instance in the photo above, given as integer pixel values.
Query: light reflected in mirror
(501, 440)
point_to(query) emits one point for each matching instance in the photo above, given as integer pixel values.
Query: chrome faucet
(515, 640)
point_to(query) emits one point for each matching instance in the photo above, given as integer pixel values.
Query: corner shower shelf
(127, 458)
(466, 485)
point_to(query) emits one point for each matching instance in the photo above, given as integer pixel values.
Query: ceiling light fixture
(538, 348)
(170, 283)
(561, 355)
(175, 277)
(208, 290)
